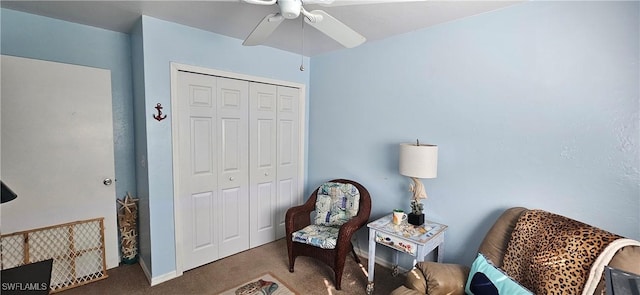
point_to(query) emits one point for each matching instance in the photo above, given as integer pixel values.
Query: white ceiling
(236, 19)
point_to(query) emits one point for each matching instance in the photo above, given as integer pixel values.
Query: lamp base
(415, 219)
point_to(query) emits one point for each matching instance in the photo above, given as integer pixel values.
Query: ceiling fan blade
(263, 30)
(335, 29)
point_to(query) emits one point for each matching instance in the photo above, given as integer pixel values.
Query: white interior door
(236, 152)
(213, 174)
(263, 131)
(274, 159)
(57, 146)
(197, 182)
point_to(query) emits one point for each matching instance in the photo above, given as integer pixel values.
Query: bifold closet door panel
(236, 148)
(197, 151)
(288, 144)
(263, 136)
(233, 172)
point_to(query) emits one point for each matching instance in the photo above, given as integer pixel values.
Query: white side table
(417, 241)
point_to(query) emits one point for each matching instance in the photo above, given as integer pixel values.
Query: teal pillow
(486, 279)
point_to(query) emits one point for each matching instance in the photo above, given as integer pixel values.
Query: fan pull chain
(302, 46)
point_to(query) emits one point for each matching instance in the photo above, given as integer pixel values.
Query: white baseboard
(159, 279)
(163, 278)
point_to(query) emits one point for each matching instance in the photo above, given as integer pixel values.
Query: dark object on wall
(7, 193)
(33, 278)
(159, 116)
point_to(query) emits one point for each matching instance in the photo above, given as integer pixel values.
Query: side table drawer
(397, 243)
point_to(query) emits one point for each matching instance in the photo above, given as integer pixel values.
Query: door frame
(177, 67)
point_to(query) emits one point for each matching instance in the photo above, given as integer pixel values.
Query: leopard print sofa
(545, 252)
(553, 254)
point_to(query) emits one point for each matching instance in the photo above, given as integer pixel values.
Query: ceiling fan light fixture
(290, 9)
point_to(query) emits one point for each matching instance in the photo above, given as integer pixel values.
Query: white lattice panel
(77, 250)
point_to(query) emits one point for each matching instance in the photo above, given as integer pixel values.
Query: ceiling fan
(291, 9)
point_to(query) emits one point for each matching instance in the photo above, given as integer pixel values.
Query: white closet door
(236, 149)
(198, 176)
(233, 176)
(263, 131)
(287, 157)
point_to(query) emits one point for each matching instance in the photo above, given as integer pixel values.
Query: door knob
(107, 181)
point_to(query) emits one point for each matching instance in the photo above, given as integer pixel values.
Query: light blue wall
(142, 174)
(163, 43)
(32, 36)
(535, 105)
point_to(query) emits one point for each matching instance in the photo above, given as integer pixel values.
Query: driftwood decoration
(128, 223)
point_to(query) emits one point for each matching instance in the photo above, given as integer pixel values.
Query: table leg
(440, 252)
(394, 269)
(372, 260)
(369, 288)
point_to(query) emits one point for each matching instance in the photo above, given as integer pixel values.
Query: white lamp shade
(419, 161)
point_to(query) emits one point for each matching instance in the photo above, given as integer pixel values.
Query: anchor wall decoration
(159, 116)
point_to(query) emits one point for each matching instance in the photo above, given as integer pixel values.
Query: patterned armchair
(322, 227)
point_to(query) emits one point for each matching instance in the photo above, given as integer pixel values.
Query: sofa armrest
(435, 278)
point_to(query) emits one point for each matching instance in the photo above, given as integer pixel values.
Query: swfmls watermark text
(25, 286)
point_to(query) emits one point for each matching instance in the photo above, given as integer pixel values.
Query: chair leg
(292, 259)
(338, 272)
(339, 268)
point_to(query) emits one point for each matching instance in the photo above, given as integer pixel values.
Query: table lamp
(418, 161)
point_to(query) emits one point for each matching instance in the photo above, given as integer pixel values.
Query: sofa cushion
(440, 278)
(486, 279)
(336, 203)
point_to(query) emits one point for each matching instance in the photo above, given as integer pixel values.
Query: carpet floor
(310, 276)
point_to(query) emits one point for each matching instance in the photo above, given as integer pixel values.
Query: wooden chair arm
(298, 217)
(354, 224)
(350, 227)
